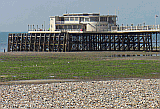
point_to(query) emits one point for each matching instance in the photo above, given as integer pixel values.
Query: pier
(122, 39)
(85, 32)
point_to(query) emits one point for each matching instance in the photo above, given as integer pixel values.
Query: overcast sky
(15, 15)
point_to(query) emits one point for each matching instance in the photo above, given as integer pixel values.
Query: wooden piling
(65, 42)
(156, 42)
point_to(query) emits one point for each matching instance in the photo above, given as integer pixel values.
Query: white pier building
(82, 22)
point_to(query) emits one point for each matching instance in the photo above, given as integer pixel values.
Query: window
(69, 27)
(110, 19)
(76, 18)
(61, 27)
(65, 26)
(82, 19)
(79, 27)
(61, 18)
(94, 19)
(66, 18)
(87, 19)
(72, 19)
(102, 19)
(57, 27)
(74, 26)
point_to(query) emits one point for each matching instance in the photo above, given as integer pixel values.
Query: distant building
(82, 22)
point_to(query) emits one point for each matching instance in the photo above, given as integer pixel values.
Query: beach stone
(135, 93)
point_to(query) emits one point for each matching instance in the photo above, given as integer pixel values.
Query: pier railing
(134, 28)
(112, 29)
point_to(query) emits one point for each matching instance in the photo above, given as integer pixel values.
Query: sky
(15, 15)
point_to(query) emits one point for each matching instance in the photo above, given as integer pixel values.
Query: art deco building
(82, 22)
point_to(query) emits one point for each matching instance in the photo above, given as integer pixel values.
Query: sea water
(4, 40)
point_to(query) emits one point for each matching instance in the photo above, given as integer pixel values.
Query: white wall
(71, 22)
(52, 24)
(98, 27)
(91, 28)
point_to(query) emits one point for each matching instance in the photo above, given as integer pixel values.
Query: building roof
(84, 14)
(81, 14)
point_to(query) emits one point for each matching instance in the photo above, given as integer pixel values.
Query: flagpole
(155, 20)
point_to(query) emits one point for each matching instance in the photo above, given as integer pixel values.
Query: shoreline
(50, 81)
(79, 52)
(104, 55)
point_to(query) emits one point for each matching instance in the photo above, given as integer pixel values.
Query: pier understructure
(58, 41)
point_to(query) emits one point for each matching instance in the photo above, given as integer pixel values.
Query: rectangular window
(79, 27)
(65, 26)
(103, 19)
(94, 19)
(86, 19)
(76, 18)
(60, 27)
(61, 18)
(110, 19)
(74, 26)
(71, 18)
(57, 27)
(69, 27)
(82, 19)
(66, 18)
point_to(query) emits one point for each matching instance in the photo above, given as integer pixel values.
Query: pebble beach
(133, 93)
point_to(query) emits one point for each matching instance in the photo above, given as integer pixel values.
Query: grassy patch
(78, 66)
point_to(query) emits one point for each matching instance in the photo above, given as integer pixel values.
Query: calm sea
(4, 40)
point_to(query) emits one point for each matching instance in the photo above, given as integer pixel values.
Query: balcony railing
(64, 30)
(59, 22)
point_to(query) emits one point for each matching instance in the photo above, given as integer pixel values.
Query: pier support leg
(128, 42)
(34, 48)
(21, 41)
(143, 43)
(54, 39)
(114, 42)
(8, 47)
(49, 38)
(123, 40)
(16, 43)
(109, 42)
(26, 49)
(138, 42)
(119, 46)
(156, 42)
(151, 42)
(30, 41)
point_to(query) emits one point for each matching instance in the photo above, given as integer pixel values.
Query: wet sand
(100, 54)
